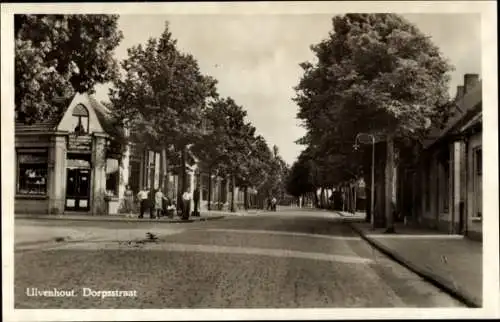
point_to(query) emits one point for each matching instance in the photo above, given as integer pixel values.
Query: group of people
(156, 202)
(271, 204)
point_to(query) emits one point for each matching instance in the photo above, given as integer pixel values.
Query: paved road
(288, 259)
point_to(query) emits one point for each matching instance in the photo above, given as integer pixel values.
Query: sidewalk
(357, 214)
(451, 262)
(207, 215)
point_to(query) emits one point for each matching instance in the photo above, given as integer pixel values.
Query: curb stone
(120, 219)
(428, 276)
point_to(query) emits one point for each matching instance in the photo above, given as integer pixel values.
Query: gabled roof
(102, 113)
(467, 107)
(47, 125)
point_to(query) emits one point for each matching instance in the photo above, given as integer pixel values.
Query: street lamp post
(372, 186)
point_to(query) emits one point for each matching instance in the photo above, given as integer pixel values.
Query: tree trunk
(245, 197)
(152, 175)
(209, 201)
(321, 198)
(316, 201)
(389, 184)
(232, 193)
(354, 198)
(184, 183)
(164, 168)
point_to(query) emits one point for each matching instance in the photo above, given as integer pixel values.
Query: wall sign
(79, 143)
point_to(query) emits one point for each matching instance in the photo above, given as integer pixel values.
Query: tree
(58, 55)
(376, 73)
(297, 182)
(226, 145)
(162, 97)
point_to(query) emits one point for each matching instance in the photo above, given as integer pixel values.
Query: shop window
(32, 174)
(81, 119)
(112, 177)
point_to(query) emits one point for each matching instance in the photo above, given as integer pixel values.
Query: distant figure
(186, 204)
(142, 196)
(159, 197)
(129, 201)
(273, 204)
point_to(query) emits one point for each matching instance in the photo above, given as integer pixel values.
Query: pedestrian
(159, 198)
(129, 201)
(142, 196)
(273, 204)
(186, 204)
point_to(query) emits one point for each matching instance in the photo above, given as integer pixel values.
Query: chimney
(469, 81)
(460, 92)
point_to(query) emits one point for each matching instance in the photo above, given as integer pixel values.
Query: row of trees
(375, 74)
(160, 95)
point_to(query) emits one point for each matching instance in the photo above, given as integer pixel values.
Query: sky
(255, 58)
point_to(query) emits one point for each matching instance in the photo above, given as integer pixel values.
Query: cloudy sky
(255, 57)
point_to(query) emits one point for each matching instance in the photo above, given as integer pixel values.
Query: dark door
(78, 190)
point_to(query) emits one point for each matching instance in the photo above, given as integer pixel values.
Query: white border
(491, 289)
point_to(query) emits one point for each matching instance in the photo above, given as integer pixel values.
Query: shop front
(61, 166)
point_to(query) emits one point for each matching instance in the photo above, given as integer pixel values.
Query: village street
(287, 259)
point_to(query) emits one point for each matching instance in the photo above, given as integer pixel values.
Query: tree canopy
(59, 55)
(374, 73)
(163, 93)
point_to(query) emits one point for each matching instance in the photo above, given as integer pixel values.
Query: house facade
(443, 188)
(61, 165)
(73, 164)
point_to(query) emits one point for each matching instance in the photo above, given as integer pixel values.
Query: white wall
(68, 122)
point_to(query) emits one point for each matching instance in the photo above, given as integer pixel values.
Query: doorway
(78, 190)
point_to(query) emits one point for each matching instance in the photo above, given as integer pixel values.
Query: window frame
(79, 117)
(43, 165)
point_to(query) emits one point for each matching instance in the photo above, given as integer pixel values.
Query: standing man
(142, 196)
(186, 204)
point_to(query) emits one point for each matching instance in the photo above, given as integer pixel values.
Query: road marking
(174, 247)
(282, 233)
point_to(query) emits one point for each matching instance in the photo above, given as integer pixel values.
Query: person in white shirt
(142, 196)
